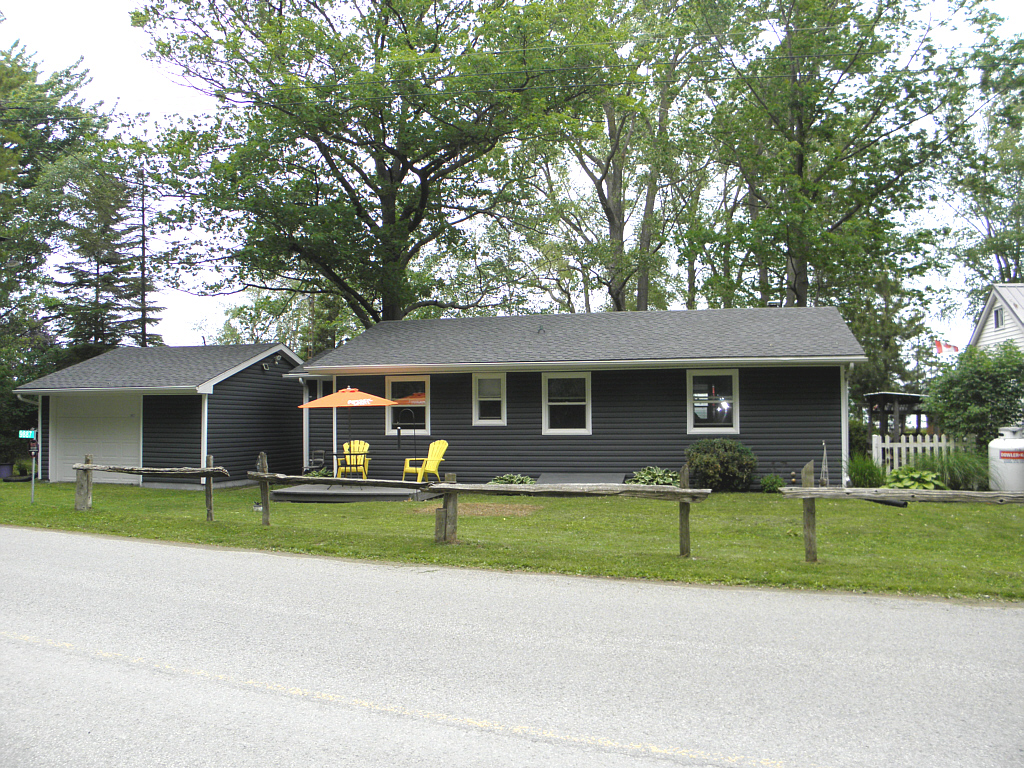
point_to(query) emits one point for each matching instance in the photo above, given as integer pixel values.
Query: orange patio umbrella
(349, 397)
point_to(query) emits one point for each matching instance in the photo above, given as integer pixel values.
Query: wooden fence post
(446, 519)
(209, 491)
(83, 487)
(264, 487)
(684, 514)
(810, 532)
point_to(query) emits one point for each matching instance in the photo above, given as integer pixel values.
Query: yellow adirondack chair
(429, 465)
(354, 459)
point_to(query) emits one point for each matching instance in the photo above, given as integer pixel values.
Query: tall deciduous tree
(42, 120)
(356, 137)
(835, 123)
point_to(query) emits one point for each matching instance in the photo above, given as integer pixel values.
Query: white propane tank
(1006, 460)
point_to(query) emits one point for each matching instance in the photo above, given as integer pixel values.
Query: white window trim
(477, 421)
(998, 318)
(545, 429)
(388, 429)
(735, 428)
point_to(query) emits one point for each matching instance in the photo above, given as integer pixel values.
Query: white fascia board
(982, 320)
(206, 388)
(588, 365)
(183, 390)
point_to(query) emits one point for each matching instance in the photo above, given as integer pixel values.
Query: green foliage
(981, 392)
(322, 472)
(721, 464)
(772, 483)
(863, 472)
(512, 479)
(654, 476)
(958, 470)
(912, 477)
(370, 133)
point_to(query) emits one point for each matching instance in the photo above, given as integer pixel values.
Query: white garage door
(107, 426)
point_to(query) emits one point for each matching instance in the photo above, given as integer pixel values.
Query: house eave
(183, 390)
(577, 365)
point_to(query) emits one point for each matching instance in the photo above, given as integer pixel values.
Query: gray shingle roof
(150, 368)
(610, 338)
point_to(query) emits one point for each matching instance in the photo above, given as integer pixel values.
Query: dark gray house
(608, 392)
(171, 407)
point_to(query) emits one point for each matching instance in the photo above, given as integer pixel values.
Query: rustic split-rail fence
(447, 516)
(83, 479)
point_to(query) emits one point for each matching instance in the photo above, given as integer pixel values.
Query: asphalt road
(132, 653)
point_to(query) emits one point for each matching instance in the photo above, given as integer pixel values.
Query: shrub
(771, 483)
(983, 391)
(322, 472)
(721, 464)
(913, 478)
(863, 471)
(512, 479)
(654, 476)
(958, 470)
(860, 439)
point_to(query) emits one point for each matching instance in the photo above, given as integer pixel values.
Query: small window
(713, 401)
(566, 406)
(412, 411)
(488, 399)
(997, 317)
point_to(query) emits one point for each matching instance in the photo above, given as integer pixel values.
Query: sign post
(33, 450)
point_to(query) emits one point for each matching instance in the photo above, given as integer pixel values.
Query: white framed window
(412, 411)
(712, 401)
(489, 400)
(565, 404)
(997, 317)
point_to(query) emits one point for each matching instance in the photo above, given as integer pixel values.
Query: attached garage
(107, 426)
(166, 407)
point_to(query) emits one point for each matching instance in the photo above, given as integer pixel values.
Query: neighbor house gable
(1002, 318)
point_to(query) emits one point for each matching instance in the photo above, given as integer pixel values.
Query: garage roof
(194, 369)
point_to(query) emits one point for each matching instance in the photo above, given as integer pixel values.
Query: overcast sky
(100, 32)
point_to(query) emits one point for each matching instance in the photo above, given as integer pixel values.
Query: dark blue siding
(256, 410)
(44, 438)
(172, 433)
(638, 419)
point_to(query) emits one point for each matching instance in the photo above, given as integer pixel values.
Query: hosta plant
(914, 479)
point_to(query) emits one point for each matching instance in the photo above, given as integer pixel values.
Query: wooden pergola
(890, 411)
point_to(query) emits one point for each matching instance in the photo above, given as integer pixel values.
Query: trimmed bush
(654, 476)
(721, 464)
(771, 483)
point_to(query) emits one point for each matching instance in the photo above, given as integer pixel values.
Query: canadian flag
(944, 346)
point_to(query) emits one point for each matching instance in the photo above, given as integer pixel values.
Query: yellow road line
(419, 714)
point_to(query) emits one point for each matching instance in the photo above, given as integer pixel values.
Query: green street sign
(28, 434)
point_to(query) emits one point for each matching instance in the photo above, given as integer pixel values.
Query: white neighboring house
(1002, 319)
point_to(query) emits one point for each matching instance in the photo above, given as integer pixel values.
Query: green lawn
(958, 550)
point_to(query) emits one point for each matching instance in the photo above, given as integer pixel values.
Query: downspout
(844, 394)
(204, 431)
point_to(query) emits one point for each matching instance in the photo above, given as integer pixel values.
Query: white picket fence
(894, 454)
